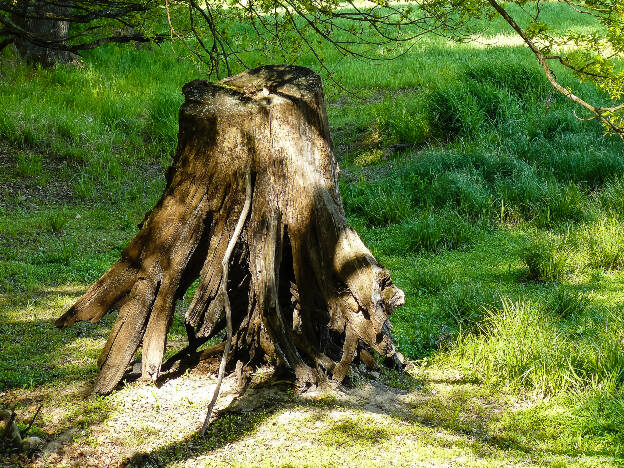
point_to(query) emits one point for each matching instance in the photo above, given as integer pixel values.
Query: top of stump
(285, 80)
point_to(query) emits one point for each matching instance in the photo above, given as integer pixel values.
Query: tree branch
(600, 113)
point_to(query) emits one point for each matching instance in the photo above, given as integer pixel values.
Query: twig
(32, 421)
(226, 301)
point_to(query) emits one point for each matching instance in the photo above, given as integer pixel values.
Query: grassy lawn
(498, 213)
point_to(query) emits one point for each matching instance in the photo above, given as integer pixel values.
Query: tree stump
(305, 292)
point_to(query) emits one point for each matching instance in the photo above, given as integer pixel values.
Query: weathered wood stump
(305, 292)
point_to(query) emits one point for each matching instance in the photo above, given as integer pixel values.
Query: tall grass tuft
(562, 204)
(518, 347)
(433, 231)
(567, 304)
(604, 241)
(522, 346)
(461, 191)
(545, 262)
(29, 165)
(466, 304)
(611, 197)
(427, 280)
(376, 204)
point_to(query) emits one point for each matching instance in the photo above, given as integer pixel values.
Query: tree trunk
(305, 292)
(37, 18)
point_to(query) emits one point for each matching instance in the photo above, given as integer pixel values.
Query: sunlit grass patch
(518, 346)
(362, 432)
(522, 345)
(605, 244)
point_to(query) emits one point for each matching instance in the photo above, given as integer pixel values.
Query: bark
(305, 292)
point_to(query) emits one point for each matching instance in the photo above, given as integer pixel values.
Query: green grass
(500, 217)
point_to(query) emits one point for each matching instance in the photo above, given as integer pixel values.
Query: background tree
(49, 32)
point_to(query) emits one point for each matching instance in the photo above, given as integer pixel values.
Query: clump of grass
(55, 222)
(599, 416)
(454, 112)
(427, 280)
(402, 120)
(85, 187)
(611, 197)
(519, 196)
(605, 244)
(378, 204)
(61, 253)
(518, 347)
(545, 262)
(521, 345)
(566, 304)
(465, 304)
(562, 203)
(161, 127)
(432, 232)
(515, 77)
(29, 165)
(588, 164)
(462, 191)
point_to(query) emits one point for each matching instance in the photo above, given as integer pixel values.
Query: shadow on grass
(41, 365)
(474, 425)
(35, 352)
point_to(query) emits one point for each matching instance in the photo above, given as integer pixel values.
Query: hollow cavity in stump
(305, 292)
